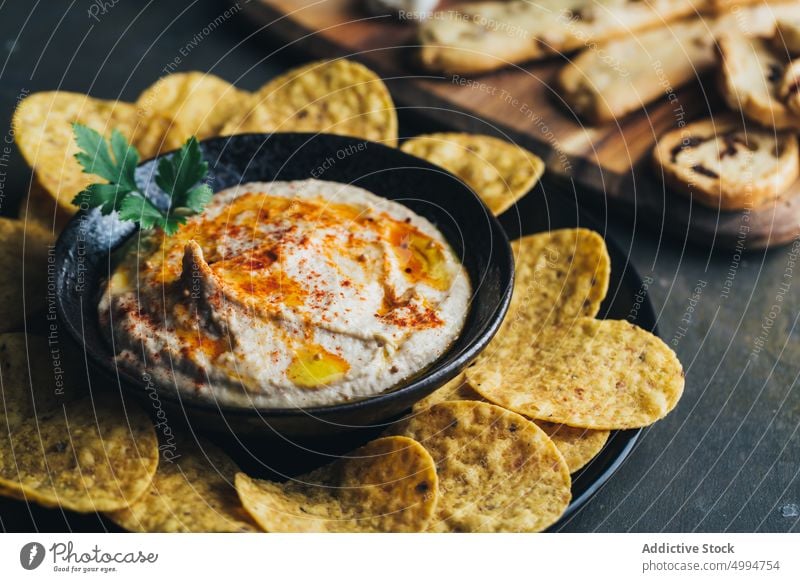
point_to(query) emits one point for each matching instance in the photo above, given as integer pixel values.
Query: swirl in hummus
(287, 294)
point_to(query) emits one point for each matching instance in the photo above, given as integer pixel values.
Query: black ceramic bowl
(83, 262)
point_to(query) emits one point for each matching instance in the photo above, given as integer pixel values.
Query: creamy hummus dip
(287, 294)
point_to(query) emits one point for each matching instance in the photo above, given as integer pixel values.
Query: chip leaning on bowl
(43, 132)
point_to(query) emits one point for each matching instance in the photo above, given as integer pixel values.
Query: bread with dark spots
(723, 164)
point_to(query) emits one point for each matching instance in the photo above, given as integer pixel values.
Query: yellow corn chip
(499, 172)
(40, 209)
(43, 131)
(577, 445)
(498, 471)
(192, 493)
(599, 374)
(198, 104)
(341, 97)
(24, 252)
(89, 454)
(34, 377)
(388, 484)
(455, 389)
(560, 275)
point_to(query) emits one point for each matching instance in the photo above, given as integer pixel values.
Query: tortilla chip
(197, 103)
(599, 374)
(24, 252)
(40, 209)
(191, 493)
(341, 97)
(388, 485)
(154, 135)
(501, 173)
(577, 445)
(35, 377)
(560, 275)
(80, 458)
(498, 471)
(43, 131)
(86, 455)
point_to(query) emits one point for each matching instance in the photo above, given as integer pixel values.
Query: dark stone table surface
(728, 459)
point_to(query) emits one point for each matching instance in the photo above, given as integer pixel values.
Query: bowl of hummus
(328, 285)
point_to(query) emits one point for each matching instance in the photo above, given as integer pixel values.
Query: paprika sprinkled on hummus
(287, 294)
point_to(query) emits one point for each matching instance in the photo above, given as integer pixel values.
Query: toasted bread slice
(726, 6)
(789, 90)
(483, 36)
(722, 164)
(631, 72)
(751, 76)
(605, 83)
(787, 34)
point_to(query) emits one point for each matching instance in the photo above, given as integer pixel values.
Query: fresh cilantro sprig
(115, 160)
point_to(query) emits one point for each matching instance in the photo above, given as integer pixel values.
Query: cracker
(24, 252)
(577, 445)
(341, 97)
(599, 374)
(43, 131)
(733, 6)
(498, 471)
(389, 484)
(789, 90)
(89, 455)
(192, 493)
(499, 172)
(198, 104)
(632, 71)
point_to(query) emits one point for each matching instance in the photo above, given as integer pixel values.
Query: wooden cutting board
(607, 165)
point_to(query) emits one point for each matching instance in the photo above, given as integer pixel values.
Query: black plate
(541, 210)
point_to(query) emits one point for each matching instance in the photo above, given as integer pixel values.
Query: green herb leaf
(116, 162)
(127, 159)
(197, 198)
(107, 196)
(137, 208)
(180, 173)
(95, 156)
